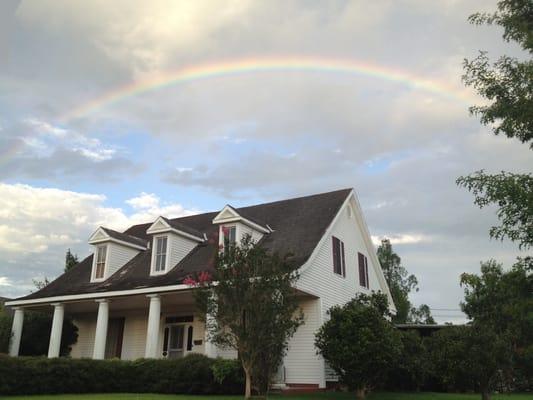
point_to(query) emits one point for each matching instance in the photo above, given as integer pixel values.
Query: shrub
(192, 374)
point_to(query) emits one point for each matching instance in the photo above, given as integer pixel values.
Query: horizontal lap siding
(302, 364)
(333, 289)
(83, 348)
(179, 248)
(118, 257)
(134, 342)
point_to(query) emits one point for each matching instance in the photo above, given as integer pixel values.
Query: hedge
(192, 374)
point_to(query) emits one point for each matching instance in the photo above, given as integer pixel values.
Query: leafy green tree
(469, 357)
(5, 329)
(502, 301)
(401, 284)
(508, 85)
(251, 307)
(359, 343)
(70, 260)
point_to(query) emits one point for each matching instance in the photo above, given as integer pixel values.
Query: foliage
(508, 85)
(502, 301)
(5, 330)
(40, 284)
(411, 371)
(70, 260)
(225, 370)
(252, 307)
(421, 315)
(191, 374)
(358, 342)
(36, 334)
(513, 193)
(401, 284)
(469, 357)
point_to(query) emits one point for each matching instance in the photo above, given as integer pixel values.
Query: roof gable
(102, 235)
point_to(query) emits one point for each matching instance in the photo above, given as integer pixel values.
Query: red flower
(189, 281)
(204, 276)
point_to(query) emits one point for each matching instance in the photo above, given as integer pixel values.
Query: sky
(112, 113)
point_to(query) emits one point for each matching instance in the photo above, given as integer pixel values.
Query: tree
(41, 284)
(359, 343)
(5, 329)
(469, 357)
(400, 285)
(250, 306)
(502, 301)
(508, 86)
(70, 260)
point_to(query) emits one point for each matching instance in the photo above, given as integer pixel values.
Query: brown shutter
(361, 269)
(367, 284)
(343, 260)
(335, 255)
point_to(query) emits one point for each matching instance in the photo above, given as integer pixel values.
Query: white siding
(83, 348)
(302, 364)
(134, 342)
(118, 257)
(319, 279)
(179, 248)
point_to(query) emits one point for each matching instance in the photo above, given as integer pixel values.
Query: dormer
(171, 242)
(235, 226)
(112, 250)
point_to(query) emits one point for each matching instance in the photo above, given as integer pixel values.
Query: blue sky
(245, 138)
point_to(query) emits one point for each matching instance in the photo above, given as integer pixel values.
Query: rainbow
(263, 64)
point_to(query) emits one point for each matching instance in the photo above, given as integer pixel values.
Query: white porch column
(210, 348)
(152, 332)
(57, 329)
(16, 332)
(100, 335)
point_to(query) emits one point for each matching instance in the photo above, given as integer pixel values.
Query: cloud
(37, 225)
(37, 149)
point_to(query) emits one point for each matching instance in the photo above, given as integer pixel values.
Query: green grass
(310, 396)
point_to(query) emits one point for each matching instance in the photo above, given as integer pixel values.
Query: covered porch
(149, 325)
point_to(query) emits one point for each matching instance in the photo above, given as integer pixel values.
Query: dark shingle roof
(298, 225)
(125, 238)
(175, 223)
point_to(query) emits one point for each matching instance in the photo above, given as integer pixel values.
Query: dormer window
(161, 253)
(101, 252)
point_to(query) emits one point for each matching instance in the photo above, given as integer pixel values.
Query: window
(229, 233)
(99, 271)
(363, 270)
(339, 264)
(161, 253)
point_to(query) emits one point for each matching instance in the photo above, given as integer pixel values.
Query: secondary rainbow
(258, 65)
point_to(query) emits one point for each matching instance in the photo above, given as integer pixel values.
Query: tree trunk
(360, 393)
(248, 387)
(485, 395)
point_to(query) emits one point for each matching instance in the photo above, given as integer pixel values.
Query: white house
(128, 299)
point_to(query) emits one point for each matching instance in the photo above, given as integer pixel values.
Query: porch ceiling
(134, 302)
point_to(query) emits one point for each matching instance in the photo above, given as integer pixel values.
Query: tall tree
(359, 342)
(508, 86)
(70, 260)
(251, 307)
(401, 284)
(502, 301)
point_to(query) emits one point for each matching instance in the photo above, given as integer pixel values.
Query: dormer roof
(162, 224)
(230, 214)
(105, 234)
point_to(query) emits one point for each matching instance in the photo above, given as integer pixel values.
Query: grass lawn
(311, 396)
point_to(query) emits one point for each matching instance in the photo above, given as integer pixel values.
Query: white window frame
(95, 262)
(154, 255)
(221, 234)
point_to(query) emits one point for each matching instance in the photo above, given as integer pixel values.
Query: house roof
(298, 225)
(125, 237)
(176, 224)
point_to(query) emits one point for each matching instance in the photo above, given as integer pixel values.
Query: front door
(174, 340)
